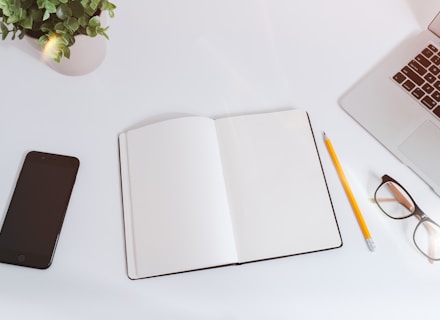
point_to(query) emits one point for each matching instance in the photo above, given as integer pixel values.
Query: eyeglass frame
(417, 212)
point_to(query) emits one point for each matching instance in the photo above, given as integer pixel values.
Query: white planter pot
(85, 55)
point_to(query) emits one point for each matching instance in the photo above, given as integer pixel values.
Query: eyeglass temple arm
(400, 197)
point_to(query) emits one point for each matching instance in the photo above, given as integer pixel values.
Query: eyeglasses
(396, 203)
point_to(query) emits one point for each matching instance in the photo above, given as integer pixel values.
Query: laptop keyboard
(421, 78)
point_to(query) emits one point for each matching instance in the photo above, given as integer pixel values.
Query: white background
(216, 58)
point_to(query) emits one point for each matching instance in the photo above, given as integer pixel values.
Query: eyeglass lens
(427, 239)
(395, 202)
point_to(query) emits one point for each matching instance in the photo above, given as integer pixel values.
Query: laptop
(398, 102)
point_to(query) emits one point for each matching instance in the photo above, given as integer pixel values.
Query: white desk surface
(216, 58)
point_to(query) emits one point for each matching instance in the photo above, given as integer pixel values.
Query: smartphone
(33, 221)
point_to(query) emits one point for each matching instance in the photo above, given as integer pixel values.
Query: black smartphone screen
(36, 212)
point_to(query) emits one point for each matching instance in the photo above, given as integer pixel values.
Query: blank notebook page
(278, 197)
(179, 219)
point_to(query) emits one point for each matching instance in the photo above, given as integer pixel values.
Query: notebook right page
(276, 188)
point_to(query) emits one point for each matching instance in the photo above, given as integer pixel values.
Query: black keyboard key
(436, 60)
(436, 96)
(428, 88)
(428, 102)
(413, 76)
(418, 93)
(437, 85)
(429, 77)
(423, 61)
(434, 70)
(432, 48)
(408, 85)
(427, 53)
(437, 111)
(417, 67)
(399, 77)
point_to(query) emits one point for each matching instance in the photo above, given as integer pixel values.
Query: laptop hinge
(434, 26)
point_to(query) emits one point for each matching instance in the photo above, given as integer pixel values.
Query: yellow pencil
(354, 205)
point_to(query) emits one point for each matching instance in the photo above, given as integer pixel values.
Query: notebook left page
(175, 207)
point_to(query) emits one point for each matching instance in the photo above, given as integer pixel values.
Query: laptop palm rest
(423, 155)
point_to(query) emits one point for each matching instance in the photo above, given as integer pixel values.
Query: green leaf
(46, 15)
(63, 12)
(59, 28)
(4, 29)
(41, 3)
(110, 8)
(16, 16)
(82, 21)
(71, 24)
(92, 31)
(102, 32)
(66, 52)
(36, 15)
(57, 57)
(94, 4)
(27, 23)
(43, 40)
(26, 4)
(89, 11)
(77, 9)
(22, 34)
(50, 7)
(85, 3)
(95, 22)
(70, 39)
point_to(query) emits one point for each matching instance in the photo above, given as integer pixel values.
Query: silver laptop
(398, 102)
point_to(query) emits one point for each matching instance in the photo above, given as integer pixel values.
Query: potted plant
(54, 21)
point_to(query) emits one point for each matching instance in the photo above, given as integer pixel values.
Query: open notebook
(201, 193)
